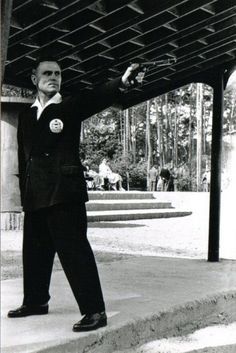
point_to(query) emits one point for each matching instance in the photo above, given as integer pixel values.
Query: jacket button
(46, 154)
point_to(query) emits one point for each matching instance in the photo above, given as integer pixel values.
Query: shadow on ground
(114, 225)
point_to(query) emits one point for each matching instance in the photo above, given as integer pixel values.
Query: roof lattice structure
(95, 40)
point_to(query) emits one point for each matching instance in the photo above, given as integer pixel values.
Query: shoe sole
(85, 329)
(25, 315)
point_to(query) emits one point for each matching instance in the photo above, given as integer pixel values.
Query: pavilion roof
(96, 40)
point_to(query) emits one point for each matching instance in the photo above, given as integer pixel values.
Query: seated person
(113, 178)
(93, 179)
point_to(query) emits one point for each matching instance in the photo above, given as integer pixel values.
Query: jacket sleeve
(21, 157)
(98, 99)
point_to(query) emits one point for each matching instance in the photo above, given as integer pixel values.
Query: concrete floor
(162, 286)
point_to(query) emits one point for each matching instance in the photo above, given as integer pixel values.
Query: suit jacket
(50, 171)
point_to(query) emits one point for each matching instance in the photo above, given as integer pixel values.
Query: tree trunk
(175, 152)
(148, 143)
(159, 134)
(133, 134)
(190, 139)
(126, 132)
(199, 97)
(166, 147)
(126, 142)
(82, 132)
(162, 132)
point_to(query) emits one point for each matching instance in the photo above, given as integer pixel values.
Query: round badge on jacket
(56, 126)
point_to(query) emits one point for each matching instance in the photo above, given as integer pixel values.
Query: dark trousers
(60, 229)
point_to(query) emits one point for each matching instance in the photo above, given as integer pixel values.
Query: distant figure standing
(170, 184)
(153, 173)
(206, 181)
(165, 175)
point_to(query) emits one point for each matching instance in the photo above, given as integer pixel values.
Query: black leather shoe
(91, 322)
(25, 310)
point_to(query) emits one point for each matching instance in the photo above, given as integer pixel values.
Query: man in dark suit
(53, 193)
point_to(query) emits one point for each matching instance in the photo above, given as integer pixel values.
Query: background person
(165, 175)
(110, 179)
(153, 174)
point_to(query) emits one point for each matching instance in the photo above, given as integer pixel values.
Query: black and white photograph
(118, 176)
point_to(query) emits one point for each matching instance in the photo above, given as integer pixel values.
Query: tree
(173, 129)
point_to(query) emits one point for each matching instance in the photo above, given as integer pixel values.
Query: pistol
(146, 65)
(158, 63)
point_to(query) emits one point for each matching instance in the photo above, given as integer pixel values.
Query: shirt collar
(56, 99)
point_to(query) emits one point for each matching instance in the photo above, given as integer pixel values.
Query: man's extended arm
(102, 97)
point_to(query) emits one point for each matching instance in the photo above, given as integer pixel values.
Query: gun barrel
(159, 62)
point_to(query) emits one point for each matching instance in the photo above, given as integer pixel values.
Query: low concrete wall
(9, 165)
(181, 320)
(10, 195)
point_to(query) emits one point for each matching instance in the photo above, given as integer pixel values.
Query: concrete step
(109, 205)
(120, 195)
(126, 215)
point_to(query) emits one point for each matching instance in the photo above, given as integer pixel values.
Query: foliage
(101, 139)
(173, 128)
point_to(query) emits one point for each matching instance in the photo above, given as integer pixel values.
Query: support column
(215, 189)
(6, 10)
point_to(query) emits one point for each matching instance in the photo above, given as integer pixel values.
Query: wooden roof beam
(171, 26)
(137, 42)
(219, 37)
(60, 29)
(50, 4)
(15, 24)
(143, 52)
(222, 46)
(187, 32)
(65, 43)
(123, 26)
(48, 44)
(209, 9)
(165, 40)
(191, 6)
(99, 7)
(174, 11)
(189, 65)
(134, 5)
(23, 3)
(30, 44)
(52, 19)
(98, 28)
(202, 41)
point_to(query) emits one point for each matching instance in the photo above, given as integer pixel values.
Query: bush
(138, 176)
(135, 174)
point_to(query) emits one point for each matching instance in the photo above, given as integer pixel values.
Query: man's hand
(133, 75)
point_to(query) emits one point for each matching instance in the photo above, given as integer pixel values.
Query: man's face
(47, 78)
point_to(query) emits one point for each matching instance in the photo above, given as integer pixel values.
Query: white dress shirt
(56, 99)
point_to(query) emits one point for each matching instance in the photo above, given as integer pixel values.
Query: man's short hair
(43, 58)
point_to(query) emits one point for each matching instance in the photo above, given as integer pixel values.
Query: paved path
(148, 297)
